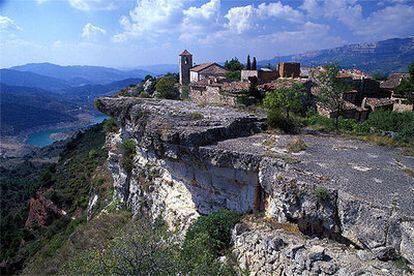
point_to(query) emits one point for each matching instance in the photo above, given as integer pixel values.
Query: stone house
(288, 69)
(262, 75)
(190, 74)
(207, 70)
(378, 103)
(216, 91)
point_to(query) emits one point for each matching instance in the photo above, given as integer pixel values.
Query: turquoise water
(42, 138)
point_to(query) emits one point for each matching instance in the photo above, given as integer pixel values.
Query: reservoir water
(43, 138)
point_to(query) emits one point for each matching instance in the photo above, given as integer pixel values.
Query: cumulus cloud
(199, 21)
(396, 19)
(8, 24)
(391, 21)
(244, 18)
(91, 31)
(88, 5)
(278, 10)
(150, 17)
(241, 19)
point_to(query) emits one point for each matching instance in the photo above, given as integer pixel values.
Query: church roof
(185, 53)
(203, 66)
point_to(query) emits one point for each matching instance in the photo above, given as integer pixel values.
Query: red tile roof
(202, 66)
(185, 53)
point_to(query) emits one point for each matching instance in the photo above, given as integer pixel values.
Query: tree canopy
(331, 90)
(166, 87)
(233, 64)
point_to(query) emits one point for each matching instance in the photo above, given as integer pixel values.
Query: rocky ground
(355, 197)
(265, 247)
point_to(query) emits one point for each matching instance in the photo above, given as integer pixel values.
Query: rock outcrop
(42, 211)
(191, 160)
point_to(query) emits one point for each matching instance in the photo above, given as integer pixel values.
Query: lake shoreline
(17, 145)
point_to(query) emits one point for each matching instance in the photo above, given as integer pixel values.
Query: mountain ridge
(385, 56)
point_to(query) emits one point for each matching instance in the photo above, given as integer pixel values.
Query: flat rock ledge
(192, 160)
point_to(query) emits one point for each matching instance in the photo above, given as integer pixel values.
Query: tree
(331, 90)
(248, 65)
(286, 99)
(166, 87)
(411, 70)
(233, 75)
(406, 87)
(233, 65)
(254, 64)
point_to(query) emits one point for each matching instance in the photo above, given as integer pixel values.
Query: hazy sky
(128, 33)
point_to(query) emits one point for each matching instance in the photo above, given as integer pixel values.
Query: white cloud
(7, 24)
(87, 5)
(396, 19)
(241, 19)
(199, 21)
(245, 18)
(391, 21)
(91, 31)
(278, 10)
(310, 36)
(349, 12)
(150, 18)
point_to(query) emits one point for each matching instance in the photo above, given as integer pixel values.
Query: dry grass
(297, 145)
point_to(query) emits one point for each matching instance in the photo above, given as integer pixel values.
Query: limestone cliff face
(192, 160)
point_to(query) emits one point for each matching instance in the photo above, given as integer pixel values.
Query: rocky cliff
(190, 160)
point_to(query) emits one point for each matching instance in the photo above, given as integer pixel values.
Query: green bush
(321, 193)
(401, 123)
(205, 239)
(144, 94)
(276, 119)
(109, 125)
(328, 124)
(233, 75)
(166, 88)
(128, 150)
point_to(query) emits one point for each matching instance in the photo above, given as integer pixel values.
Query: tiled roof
(202, 66)
(185, 53)
(393, 80)
(378, 102)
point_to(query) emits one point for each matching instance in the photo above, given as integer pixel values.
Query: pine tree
(254, 65)
(248, 64)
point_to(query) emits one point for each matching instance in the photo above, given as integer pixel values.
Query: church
(192, 74)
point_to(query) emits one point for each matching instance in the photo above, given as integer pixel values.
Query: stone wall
(211, 95)
(289, 69)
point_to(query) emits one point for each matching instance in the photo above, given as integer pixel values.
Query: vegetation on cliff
(67, 184)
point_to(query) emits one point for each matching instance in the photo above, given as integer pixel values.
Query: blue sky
(129, 33)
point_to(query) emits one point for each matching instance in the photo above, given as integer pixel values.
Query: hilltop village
(208, 84)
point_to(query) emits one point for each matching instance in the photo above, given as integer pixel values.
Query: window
(185, 60)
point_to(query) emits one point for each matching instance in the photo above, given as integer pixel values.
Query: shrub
(128, 151)
(233, 75)
(321, 193)
(276, 119)
(297, 145)
(204, 241)
(380, 120)
(109, 125)
(144, 94)
(166, 88)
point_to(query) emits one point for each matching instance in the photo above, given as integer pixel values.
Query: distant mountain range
(387, 56)
(80, 75)
(30, 99)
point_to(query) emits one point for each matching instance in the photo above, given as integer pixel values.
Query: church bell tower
(186, 62)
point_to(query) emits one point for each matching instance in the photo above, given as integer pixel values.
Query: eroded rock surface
(192, 160)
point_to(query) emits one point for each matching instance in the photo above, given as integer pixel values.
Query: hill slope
(81, 75)
(392, 55)
(30, 79)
